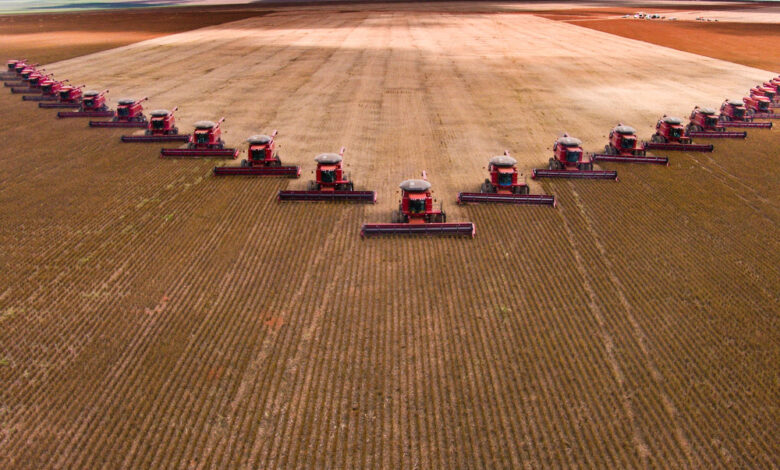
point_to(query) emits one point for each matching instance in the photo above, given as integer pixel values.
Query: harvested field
(153, 316)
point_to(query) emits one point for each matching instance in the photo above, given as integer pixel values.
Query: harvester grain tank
(504, 186)
(160, 128)
(262, 160)
(624, 147)
(68, 96)
(129, 113)
(93, 104)
(569, 161)
(704, 122)
(670, 135)
(206, 141)
(734, 114)
(330, 183)
(417, 216)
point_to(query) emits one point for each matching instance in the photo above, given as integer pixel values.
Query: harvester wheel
(484, 188)
(349, 186)
(313, 186)
(657, 138)
(244, 163)
(553, 165)
(396, 218)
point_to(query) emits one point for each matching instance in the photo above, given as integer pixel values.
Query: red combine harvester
(93, 104)
(205, 141)
(261, 160)
(670, 135)
(161, 128)
(734, 114)
(24, 76)
(67, 97)
(503, 186)
(704, 122)
(416, 215)
(761, 90)
(568, 162)
(758, 107)
(33, 87)
(49, 91)
(129, 113)
(623, 147)
(11, 73)
(331, 183)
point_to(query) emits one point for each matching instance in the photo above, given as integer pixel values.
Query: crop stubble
(163, 318)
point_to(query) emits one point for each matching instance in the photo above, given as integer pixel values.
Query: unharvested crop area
(152, 316)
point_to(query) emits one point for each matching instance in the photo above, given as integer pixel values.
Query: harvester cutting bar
(15, 84)
(118, 124)
(156, 138)
(719, 135)
(349, 196)
(578, 174)
(448, 228)
(26, 91)
(84, 114)
(198, 153)
(59, 105)
(679, 146)
(284, 171)
(766, 116)
(746, 124)
(500, 198)
(603, 157)
(38, 98)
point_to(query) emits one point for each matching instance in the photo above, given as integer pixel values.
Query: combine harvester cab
(49, 91)
(704, 122)
(758, 107)
(734, 114)
(129, 113)
(93, 104)
(417, 216)
(205, 142)
(161, 128)
(330, 184)
(670, 135)
(623, 147)
(568, 161)
(67, 97)
(503, 186)
(261, 160)
(23, 76)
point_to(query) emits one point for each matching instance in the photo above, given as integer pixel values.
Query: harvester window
(417, 206)
(572, 156)
(122, 111)
(258, 154)
(46, 88)
(64, 95)
(202, 137)
(328, 176)
(505, 179)
(157, 123)
(739, 112)
(711, 121)
(627, 143)
(675, 132)
(89, 102)
(763, 105)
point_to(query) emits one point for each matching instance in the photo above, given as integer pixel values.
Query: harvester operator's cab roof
(503, 161)
(158, 112)
(328, 158)
(567, 141)
(672, 121)
(707, 111)
(126, 102)
(205, 125)
(259, 139)
(415, 186)
(91, 93)
(625, 130)
(734, 103)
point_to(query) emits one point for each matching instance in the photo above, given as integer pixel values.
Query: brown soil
(153, 316)
(755, 45)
